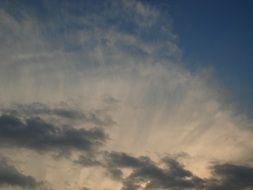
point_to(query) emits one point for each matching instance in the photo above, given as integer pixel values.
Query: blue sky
(218, 34)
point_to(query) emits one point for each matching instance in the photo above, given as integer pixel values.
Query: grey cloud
(168, 174)
(176, 168)
(85, 188)
(96, 117)
(115, 173)
(41, 109)
(175, 176)
(147, 172)
(155, 177)
(10, 176)
(231, 177)
(123, 160)
(88, 161)
(110, 100)
(38, 135)
(99, 117)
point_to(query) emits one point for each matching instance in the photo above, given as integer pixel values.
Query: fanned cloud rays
(94, 96)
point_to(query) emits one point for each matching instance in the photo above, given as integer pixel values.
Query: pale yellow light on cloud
(161, 108)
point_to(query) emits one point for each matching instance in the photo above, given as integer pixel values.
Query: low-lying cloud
(10, 176)
(38, 135)
(145, 174)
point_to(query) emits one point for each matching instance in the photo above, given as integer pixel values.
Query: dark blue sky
(219, 34)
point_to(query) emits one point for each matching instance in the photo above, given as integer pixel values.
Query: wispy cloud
(105, 83)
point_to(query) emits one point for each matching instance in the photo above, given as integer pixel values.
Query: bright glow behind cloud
(119, 63)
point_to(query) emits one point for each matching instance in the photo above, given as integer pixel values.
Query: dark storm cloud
(96, 117)
(154, 177)
(148, 175)
(231, 177)
(115, 174)
(143, 173)
(123, 160)
(176, 168)
(10, 176)
(39, 135)
(88, 161)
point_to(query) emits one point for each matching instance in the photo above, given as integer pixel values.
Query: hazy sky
(126, 95)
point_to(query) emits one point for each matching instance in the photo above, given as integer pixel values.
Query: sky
(218, 33)
(126, 95)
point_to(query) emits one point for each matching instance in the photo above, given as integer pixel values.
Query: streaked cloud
(103, 86)
(97, 117)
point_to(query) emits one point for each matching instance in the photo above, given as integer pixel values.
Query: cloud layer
(143, 173)
(101, 85)
(39, 135)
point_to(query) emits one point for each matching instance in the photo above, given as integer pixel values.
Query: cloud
(38, 135)
(97, 117)
(231, 177)
(120, 63)
(144, 174)
(88, 161)
(10, 176)
(121, 159)
(39, 109)
(85, 188)
(143, 14)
